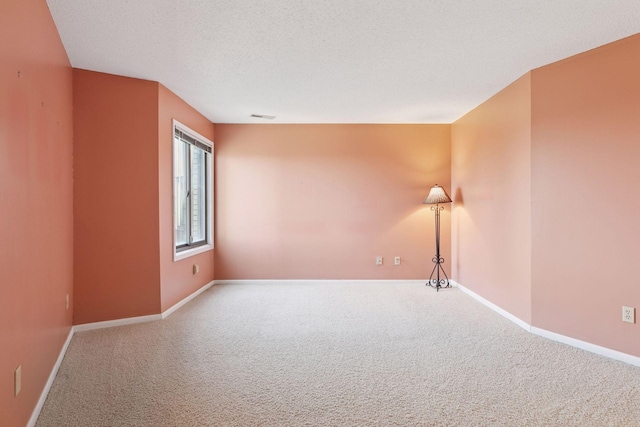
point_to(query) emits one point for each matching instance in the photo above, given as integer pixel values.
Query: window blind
(190, 140)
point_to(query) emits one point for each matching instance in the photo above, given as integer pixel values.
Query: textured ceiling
(334, 61)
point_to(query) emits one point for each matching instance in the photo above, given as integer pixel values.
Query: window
(192, 192)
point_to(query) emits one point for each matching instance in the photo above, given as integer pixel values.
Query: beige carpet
(335, 355)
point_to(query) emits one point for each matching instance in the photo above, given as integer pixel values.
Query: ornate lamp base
(437, 282)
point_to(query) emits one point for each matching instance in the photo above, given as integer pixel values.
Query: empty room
(330, 213)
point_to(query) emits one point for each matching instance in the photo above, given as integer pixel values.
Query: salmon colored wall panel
(322, 201)
(177, 278)
(36, 226)
(586, 181)
(491, 174)
(116, 266)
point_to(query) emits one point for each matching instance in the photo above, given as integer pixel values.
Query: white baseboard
(524, 325)
(583, 345)
(593, 348)
(179, 304)
(100, 325)
(141, 319)
(52, 376)
(318, 281)
(118, 322)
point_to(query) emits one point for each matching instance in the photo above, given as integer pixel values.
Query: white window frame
(208, 246)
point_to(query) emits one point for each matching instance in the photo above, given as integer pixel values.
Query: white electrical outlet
(379, 260)
(628, 314)
(17, 383)
(396, 260)
(67, 301)
(196, 268)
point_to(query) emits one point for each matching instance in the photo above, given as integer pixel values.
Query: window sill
(177, 256)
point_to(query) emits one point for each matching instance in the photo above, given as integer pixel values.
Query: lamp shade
(437, 195)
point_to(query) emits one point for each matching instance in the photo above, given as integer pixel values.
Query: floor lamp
(436, 196)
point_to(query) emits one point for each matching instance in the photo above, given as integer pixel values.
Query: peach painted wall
(117, 266)
(585, 187)
(491, 181)
(36, 226)
(177, 278)
(322, 201)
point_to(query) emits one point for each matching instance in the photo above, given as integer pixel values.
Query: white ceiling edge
(334, 61)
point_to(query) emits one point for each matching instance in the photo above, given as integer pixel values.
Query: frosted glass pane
(198, 195)
(181, 189)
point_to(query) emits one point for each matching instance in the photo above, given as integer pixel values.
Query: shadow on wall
(458, 207)
(458, 199)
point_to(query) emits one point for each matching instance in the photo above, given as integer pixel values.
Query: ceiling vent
(262, 116)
